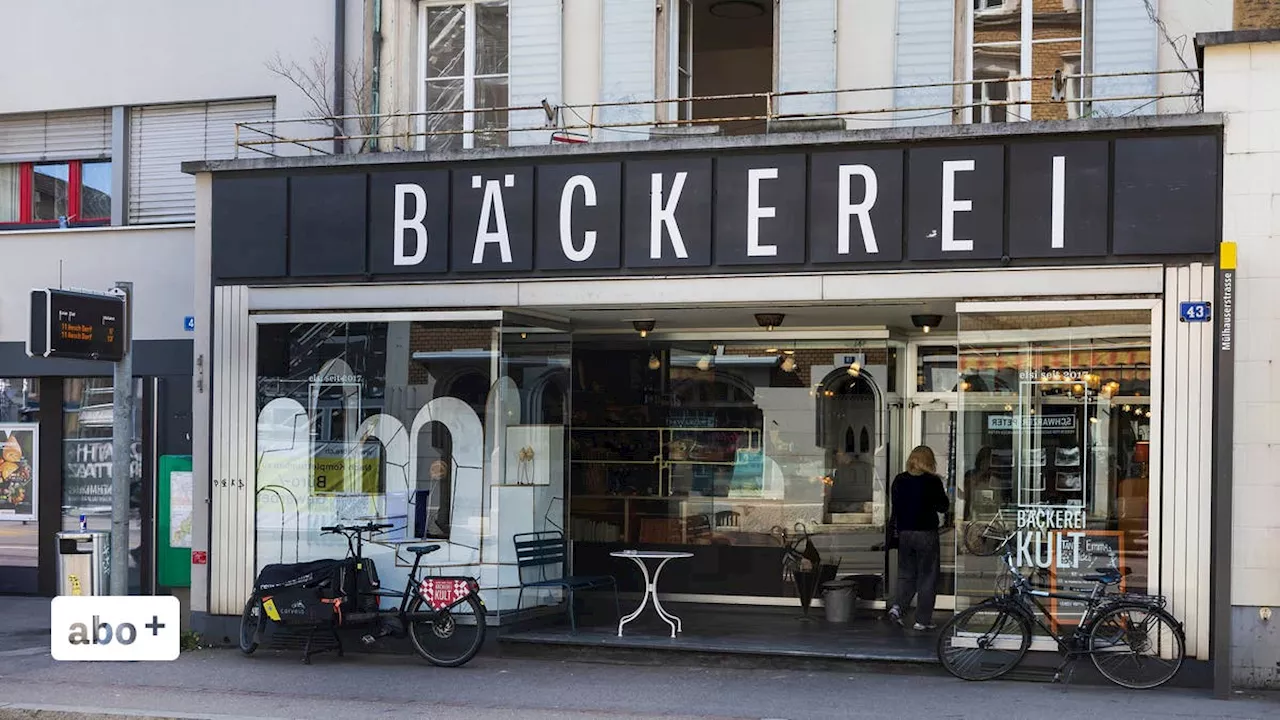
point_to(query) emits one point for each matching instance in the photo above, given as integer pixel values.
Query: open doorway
(721, 47)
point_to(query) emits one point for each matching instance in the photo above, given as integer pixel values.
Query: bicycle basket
(301, 606)
(316, 573)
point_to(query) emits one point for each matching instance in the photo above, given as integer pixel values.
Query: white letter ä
(414, 223)
(492, 209)
(951, 206)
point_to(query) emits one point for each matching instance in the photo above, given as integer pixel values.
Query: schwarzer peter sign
(784, 209)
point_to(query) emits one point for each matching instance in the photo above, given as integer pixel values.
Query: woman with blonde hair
(918, 497)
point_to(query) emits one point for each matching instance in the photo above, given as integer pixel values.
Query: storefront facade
(715, 346)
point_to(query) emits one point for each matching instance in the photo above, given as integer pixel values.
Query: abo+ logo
(115, 628)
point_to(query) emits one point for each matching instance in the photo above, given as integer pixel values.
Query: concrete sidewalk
(24, 626)
(222, 684)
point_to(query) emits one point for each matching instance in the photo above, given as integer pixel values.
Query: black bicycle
(443, 616)
(1132, 640)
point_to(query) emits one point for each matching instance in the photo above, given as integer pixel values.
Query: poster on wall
(19, 474)
(1094, 551)
(1057, 539)
(180, 493)
(86, 478)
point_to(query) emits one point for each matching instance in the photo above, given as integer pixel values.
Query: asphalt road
(222, 683)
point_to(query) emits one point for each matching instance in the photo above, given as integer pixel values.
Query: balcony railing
(1076, 96)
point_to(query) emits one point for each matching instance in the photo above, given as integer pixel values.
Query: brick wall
(1256, 14)
(434, 338)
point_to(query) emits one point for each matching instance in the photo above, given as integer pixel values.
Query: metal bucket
(837, 596)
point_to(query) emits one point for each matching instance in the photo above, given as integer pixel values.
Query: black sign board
(77, 325)
(797, 208)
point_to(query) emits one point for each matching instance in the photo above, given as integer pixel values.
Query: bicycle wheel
(452, 637)
(1136, 646)
(983, 538)
(252, 621)
(984, 642)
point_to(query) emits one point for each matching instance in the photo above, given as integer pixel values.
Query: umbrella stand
(806, 582)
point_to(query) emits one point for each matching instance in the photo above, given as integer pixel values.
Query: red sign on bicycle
(441, 593)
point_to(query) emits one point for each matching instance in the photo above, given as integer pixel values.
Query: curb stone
(15, 711)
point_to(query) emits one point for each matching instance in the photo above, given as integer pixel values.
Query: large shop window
(1055, 434)
(449, 431)
(734, 451)
(465, 68)
(87, 464)
(1006, 41)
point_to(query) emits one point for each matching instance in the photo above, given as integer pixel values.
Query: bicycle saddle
(422, 549)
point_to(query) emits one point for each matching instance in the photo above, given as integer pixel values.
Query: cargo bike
(443, 616)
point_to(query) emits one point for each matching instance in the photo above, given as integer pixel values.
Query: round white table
(651, 585)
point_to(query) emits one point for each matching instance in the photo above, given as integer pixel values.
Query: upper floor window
(1025, 38)
(464, 70)
(78, 191)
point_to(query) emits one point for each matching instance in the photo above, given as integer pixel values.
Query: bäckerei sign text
(806, 208)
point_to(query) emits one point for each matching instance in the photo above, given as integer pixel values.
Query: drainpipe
(339, 72)
(377, 71)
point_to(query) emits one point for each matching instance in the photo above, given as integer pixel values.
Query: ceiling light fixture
(769, 321)
(737, 9)
(644, 327)
(654, 362)
(926, 322)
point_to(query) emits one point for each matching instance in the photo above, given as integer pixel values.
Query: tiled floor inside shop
(743, 630)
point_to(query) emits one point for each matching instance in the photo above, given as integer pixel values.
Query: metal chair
(539, 551)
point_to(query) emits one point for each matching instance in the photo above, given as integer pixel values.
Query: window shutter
(74, 135)
(925, 53)
(534, 65)
(162, 137)
(627, 74)
(1125, 39)
(807, 55)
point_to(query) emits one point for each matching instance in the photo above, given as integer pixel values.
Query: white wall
(157, 260)
(582, 58)
(1242, 82)
(865, 57)
(156, 51)
(1182, 20)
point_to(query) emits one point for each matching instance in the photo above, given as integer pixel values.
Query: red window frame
(26, 189)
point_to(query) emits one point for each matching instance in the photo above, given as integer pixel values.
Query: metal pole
(121, 450)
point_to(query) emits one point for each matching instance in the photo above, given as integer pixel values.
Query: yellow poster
(334, 469)
(337, 474)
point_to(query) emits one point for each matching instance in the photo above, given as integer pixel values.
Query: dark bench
(538, 551)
